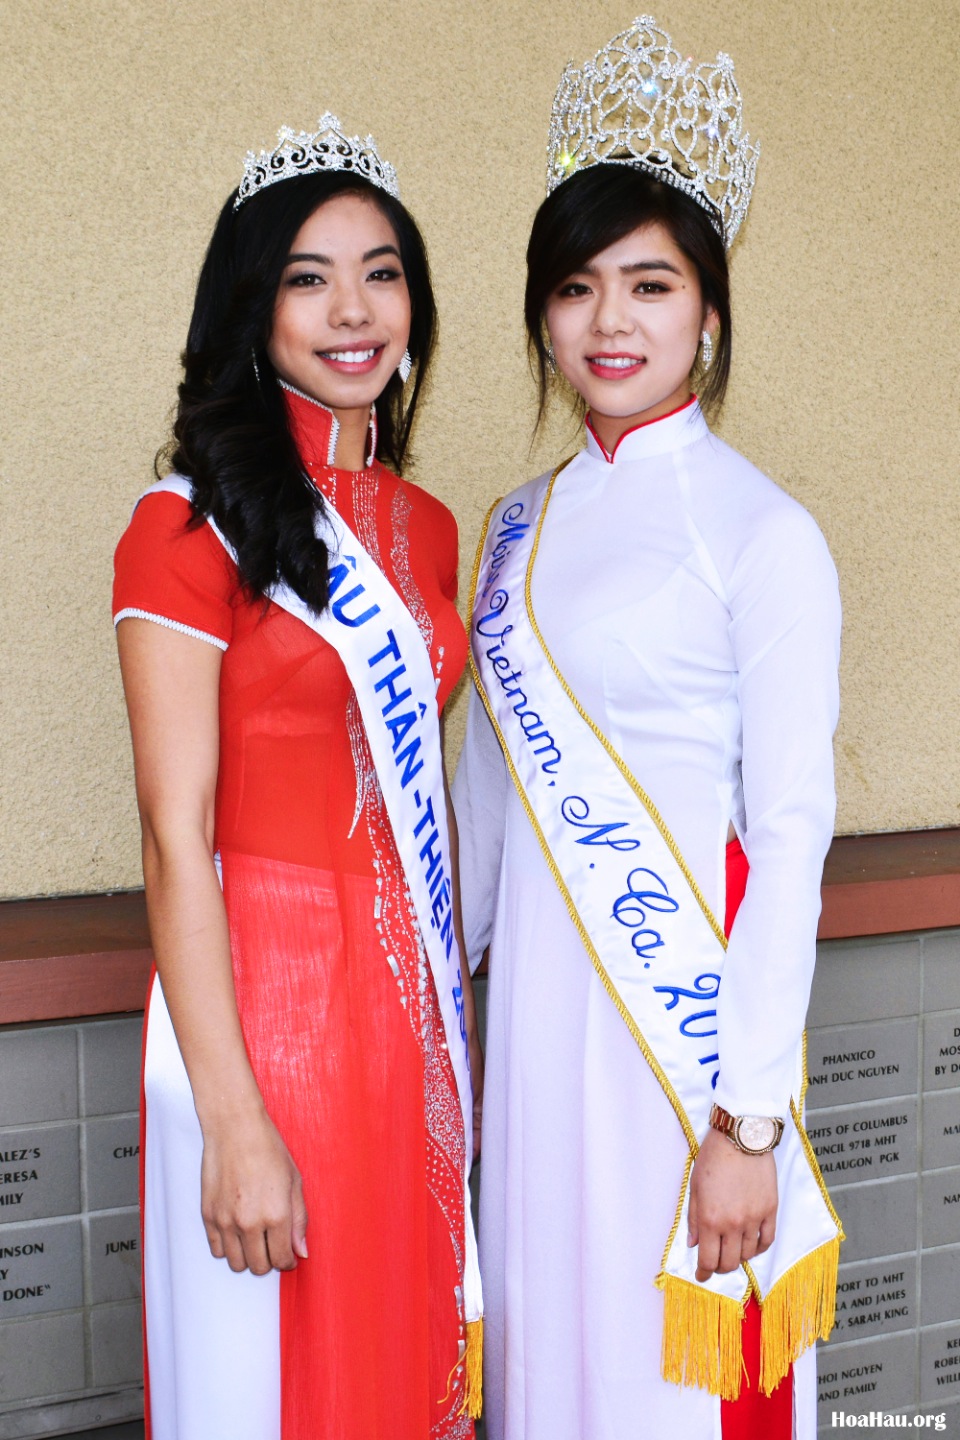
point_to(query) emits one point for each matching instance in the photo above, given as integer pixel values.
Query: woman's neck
(353, 439)
(610, 429)
(346, 439)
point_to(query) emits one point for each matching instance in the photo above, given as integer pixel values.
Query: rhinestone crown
(300, 153)
(638, 102)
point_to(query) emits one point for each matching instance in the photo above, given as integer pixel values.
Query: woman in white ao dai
(693, 608)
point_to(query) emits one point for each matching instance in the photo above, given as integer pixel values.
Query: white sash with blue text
(642, 919)
(389, 667)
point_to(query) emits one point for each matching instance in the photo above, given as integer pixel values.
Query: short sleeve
(173, 573)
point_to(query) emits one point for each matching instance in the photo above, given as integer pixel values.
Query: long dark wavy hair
(596, 208)
(230, 435)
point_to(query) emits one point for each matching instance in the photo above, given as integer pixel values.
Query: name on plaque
(947, 1055)
(949, 1362)
(941, 1062)
(876, 1301)
(120, 1247)
(851, 1144)
(847, 1065)
(20, 1292)
(874, 1061)
(850, 1380)
(40, 1269)
(25, 1173)
(939, 1365)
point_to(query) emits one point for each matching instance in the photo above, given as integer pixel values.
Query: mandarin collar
(681, 427)
(315, 428)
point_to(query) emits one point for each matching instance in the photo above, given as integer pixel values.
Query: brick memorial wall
(69, 1230)
(883, 1111)
(883, 1114)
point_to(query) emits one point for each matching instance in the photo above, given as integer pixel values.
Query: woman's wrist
(228, 1104)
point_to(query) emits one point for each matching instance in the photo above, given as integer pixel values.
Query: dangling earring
(404, 368)
(706, 358)
(551, 360)
(256, 367)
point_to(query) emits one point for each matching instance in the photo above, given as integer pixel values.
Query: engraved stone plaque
(39, 1172)
(941, 1050)
(940, 1289)
(113, 1247)
(877, 1375)
(857, 981)
(862, 1142)
(41, 1268)
(41, 1357)
(876, 1298)
(38, 1075)
(879, 1218)
(115, 1344)
(941, 971)
(941, 1130)
(940, 1364)
(862, 1062)
(940, 1194)
(112, 1164)
(110, 1066)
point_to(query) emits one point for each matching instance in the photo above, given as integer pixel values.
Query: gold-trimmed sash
(658, 951)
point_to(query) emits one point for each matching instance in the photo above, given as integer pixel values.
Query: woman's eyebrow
(648, 265)
(630, 267)
(326, 260)
(317, 259)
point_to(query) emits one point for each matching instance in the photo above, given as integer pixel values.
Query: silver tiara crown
(638, 102)
(300, 153)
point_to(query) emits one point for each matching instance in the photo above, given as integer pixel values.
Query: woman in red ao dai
(304, 1227)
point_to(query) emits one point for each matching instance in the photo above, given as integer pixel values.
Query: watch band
(751, 1134)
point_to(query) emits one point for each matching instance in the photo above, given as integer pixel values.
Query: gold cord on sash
(471, 1363)
(617, 759)
(473, 1380)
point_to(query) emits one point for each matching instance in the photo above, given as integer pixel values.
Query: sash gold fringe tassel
(799, 1309)
(702, 1337)
(473, 1371)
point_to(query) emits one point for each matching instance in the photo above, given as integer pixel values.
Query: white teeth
(619, 362)
(349, 357)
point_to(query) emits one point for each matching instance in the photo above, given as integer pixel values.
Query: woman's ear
(711, 320)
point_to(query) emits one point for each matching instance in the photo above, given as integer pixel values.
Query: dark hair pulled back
(230, 435)
(594, 209)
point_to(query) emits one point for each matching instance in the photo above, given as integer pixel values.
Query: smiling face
(625, 330)
(341, 321)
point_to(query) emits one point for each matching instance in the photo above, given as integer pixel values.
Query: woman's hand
(733, 1205)
(251, 1196)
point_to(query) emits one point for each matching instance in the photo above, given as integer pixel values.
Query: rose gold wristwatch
(753, 1134)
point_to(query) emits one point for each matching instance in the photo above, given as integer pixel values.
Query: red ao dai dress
(337, 1005)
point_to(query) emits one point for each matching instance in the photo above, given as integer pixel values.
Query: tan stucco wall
(124, 124)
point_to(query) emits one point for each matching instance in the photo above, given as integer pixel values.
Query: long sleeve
(479, 797)
(785, 631)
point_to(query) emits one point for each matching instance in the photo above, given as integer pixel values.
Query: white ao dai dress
(693, 607)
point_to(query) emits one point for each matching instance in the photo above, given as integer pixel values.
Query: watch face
(756, 1132)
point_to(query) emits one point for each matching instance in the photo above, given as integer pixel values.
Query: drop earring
(256, 367)
(405, 367)
(551, 360)
(707, 355)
